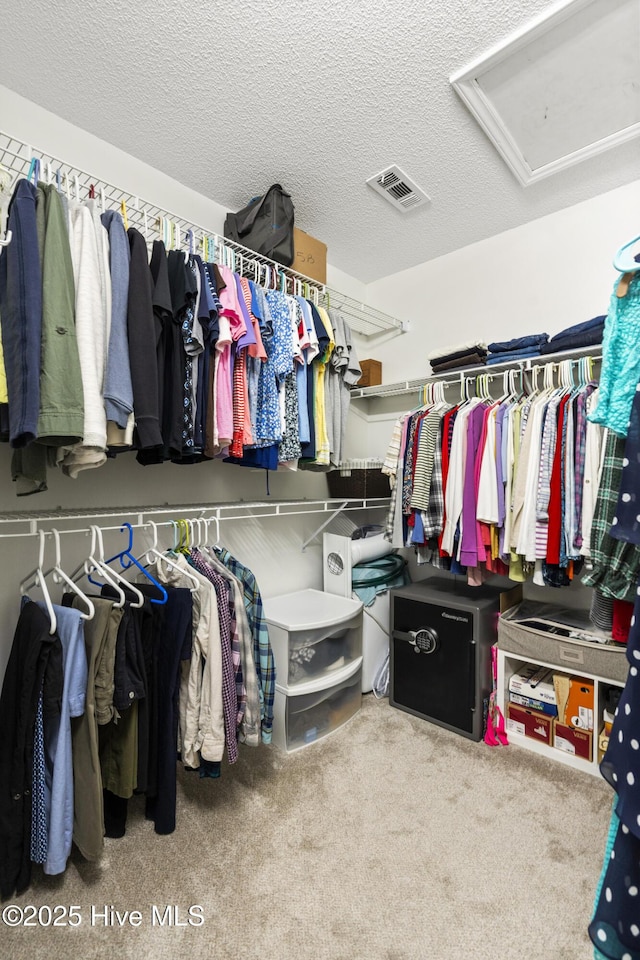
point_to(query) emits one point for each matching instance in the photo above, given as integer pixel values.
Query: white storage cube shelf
(520, 644)
(508, 664)
(316, 639)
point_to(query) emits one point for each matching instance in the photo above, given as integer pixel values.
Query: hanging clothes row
(104, 695)
(503, 485)
(176, 358)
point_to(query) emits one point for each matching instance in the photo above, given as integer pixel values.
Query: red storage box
(529, 723)
(579, 743)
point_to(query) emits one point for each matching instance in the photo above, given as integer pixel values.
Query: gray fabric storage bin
(605, 660)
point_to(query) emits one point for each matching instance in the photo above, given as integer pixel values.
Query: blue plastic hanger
(34, 170)
(626, 264)
(128, 560)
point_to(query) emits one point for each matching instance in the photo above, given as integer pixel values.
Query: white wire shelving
(458, 376)
(15, 524)
(147, 217)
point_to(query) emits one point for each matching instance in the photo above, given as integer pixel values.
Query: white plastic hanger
(207, 521)
(59, 576)
(202, 526)
(37, 578)
(93, 564)
(505, 386)
(153, 551)
(209, 551)
(535, 389)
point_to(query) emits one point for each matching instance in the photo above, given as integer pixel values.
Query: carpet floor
(393, 839)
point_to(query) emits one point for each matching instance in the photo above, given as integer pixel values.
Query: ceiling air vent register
(398, 189)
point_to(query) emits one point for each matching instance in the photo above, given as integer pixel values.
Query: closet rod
(16, 155)
(219, 512)
(453, 376)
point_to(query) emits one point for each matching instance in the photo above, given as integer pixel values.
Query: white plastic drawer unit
(315, 711)
(314, 635)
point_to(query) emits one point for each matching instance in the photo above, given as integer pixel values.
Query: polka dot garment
(615, 929)
(626, 523)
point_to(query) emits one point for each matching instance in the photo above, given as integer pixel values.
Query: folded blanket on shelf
(464, 360)
(444, 354)
(518, 343)
(586, 334)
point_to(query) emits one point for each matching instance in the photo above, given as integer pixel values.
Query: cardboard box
(579, 709)
(603, 741)
(579, 743)
(530, 703)
(529, 723)
(608, 721)
(535, 682)
(310, 256)
(509, 598)
(371, 373)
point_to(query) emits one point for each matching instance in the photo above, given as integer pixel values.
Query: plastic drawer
(313, 636)
(303, 718)
(304, 655)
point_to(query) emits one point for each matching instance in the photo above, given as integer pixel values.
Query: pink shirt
(230, 307)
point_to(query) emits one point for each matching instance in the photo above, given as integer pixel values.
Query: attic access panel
(564, 88)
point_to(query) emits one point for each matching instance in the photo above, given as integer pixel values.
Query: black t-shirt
(141, 334)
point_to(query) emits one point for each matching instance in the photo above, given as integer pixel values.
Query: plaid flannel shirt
(616, 564)
(263, 654)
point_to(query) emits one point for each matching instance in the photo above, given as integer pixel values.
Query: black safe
(440, 652)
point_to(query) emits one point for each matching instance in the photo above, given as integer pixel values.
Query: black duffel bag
(265, 225)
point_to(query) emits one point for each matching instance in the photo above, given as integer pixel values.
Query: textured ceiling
(228, 98)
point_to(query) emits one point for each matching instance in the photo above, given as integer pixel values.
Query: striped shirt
(390, 465)
(433, 518)
(549, 435)
(580, 455)
(240, 401)
(428, 441)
